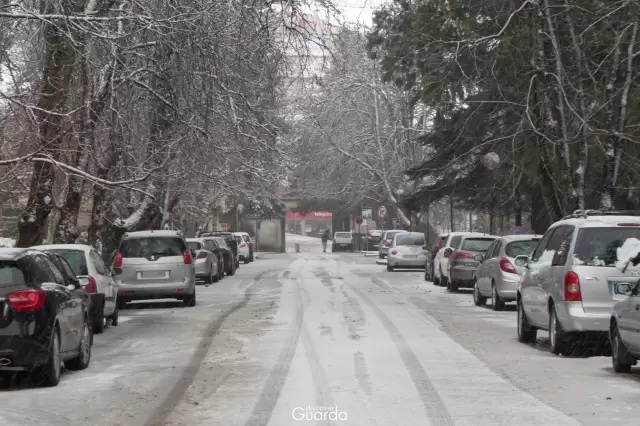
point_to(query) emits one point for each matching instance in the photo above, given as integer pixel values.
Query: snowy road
(291, 335)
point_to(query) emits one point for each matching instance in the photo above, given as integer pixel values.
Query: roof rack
(577, 214)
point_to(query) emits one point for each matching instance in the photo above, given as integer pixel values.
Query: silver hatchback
(568, 284)
(155, 265)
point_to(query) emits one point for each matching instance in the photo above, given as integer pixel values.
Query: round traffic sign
(382, 212)
(359, 220)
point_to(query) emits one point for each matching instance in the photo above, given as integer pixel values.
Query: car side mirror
(522, 261)
(71, 287)
(83, 281)
(116, 271)
(626, 289)
(479, 257)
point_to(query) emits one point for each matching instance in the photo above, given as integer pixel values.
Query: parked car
(154, 265)
(497, 276)
(231, 242)
(247, 239)
(96, 279)
(206, 262)
(464, 261)
(372, 242)
(342, 241)
(227, 254)
(44, 319)
(568, 284)
(385, 241)
(406, 251)
(441, 259)
(624, 330)
(243, 248)
(430, 254)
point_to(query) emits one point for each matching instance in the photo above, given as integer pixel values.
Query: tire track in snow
(270, 393)
(362, 375)
(175, 395)
(434, 406)
(319, 376)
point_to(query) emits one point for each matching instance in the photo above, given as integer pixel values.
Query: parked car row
(53, 298)
(579, 282)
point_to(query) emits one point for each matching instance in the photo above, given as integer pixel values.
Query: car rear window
(147, 246)
(343, 235)
(76, 259)
(410, 240)
(221, 242)
(11, 275)
(194, 245)
(521, 248)
(477, 244)
(389, 235)
(599, 246)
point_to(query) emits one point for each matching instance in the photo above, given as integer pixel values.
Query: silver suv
(568, 283)
(155, 265)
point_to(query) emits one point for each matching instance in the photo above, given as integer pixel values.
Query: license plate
(411, 256)
(154, 274)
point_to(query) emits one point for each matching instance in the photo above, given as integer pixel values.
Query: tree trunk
(59, 59)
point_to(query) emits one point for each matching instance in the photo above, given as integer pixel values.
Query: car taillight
(27, 300)
(369, 238)
(394, 251)
(92, 287)
(462, 255)
(386, 242)
(117, 261)
(202, 255)
(629, 224)
(507, 266)
(572, 287)
(243, 245)
(187, 257)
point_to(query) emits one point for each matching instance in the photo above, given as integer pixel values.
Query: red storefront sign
(311, 215)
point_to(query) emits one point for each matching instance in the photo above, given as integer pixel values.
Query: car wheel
(84, 357)
(436, 280)
(190, 301)
(426, 275)
(478, 299)
(208, 279)
(389, 268)
(380, 256)
(557, 338)
(246, 260)
(620, 357)
(98, 323)
(444, 281)
(121, 302)
(114, 317)
(497, 304)
(215, 278)
(526, 332)
(49, 374)
(453, 286)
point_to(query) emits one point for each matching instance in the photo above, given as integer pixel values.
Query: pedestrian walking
(326, 236)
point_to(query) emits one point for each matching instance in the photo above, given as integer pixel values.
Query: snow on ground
(7, 242)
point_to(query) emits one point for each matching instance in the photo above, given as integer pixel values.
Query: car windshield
(11, 275)
(410, 240)
(148, 246)
(476, 244)
(194, 245)
(343, 235)
(521, 248)
(599, 246)
(76, 259)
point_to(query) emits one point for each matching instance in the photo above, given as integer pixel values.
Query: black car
(44, 319)
(230, 265)
(372, 242)
(230, 239)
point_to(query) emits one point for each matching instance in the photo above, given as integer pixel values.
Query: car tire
(190, 301)
(381, 256)
(453, 286)
(389, 268)
(478, 299)
(215, 278)
(113, 318)
(620, 356)
(526, 332)
(426, 275)
(208, 279)
(558, 340)
(49, 374)
(84, 357)
(121, 302)
(246, 260)
(497, 304)
(98, 323)
(436, 280)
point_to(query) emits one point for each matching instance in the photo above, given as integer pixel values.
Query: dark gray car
(463, 261)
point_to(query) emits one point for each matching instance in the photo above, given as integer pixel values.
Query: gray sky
(358, 10)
